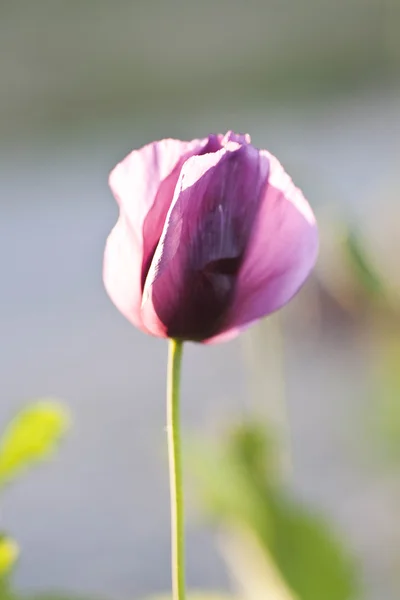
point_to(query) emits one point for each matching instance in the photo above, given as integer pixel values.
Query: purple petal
(143, 185)
(191, 282)
(281, 253)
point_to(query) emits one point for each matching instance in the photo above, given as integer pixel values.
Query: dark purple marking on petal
(204, 243)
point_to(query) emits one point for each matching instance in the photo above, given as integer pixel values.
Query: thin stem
(175, 470)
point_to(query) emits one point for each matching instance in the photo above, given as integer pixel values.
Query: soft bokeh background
(82, 83)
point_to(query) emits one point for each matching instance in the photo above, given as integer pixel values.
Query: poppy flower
(212, 235)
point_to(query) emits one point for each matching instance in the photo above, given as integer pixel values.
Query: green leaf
(31, 436)
(362, 267)
(311, 559)
(8, 555)
(240, 489)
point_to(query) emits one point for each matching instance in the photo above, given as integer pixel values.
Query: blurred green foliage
(362, 267)
(32, 435)
(241, 490)
(8, 554)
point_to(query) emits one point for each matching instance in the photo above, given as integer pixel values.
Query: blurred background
(83, 83)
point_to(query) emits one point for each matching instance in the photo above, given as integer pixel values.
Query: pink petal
(282, 252)
(143, 185)
(121, 271)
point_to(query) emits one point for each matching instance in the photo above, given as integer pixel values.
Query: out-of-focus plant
(276, 548)
(32, 436)
(346, 270)
(8, 556)
(358, 269)
(358, 261)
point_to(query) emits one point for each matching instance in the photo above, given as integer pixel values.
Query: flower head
(212, 235)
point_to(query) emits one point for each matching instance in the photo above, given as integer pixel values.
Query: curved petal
(191, 281)
(282, 251)
(120, 259)
(143, 185)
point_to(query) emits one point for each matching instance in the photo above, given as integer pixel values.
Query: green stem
(175, 470)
